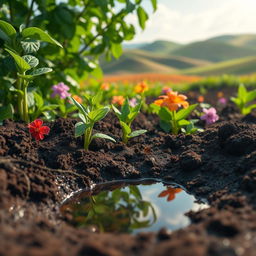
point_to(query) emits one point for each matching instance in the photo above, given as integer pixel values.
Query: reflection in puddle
(131, 207)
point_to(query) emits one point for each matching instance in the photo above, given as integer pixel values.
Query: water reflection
(118, 207)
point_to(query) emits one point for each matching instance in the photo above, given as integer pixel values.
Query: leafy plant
(126, 117)
(89, 116)
(85, 28)
(21, 45)
(244, 98)
(175, 121)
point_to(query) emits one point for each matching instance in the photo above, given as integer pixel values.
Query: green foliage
(244, 98)
(126, 117)
(85, 28)
(175, 122)
(89, 115)
(16, 43)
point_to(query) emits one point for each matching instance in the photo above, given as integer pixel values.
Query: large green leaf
(142, 16)
(154, 4)
(21, 64)
(126, 129)
(102, 136)
(39, 34)
(31, 60)
(184, 113)
(7, 31)
(79, 106)
(98, 114)
(165, 114)
(80, 129)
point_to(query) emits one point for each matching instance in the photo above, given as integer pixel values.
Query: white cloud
(227, 17)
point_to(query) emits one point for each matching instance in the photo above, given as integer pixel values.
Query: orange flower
(141, 87)
(200, 99)
(118, 100)
(105, 86)
(172, 100)
(170, 193)
(78, 99)
(220, 94)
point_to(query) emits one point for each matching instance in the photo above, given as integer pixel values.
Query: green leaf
(31, 60)
(142, 16)
(80, 129)
(154, 4)
(137, 133)
(40, 71)
(251, 96)
(7, 31)
(79, 106)
(102, 136)
(6, 112)
(38, 34)
(242, 92)
(184, 113)
(39, 100)
(125, 110)
(30, 46)
(126, 129)
(134, 190)
(165, 114)
(116, 50)
(183, 122)
(116, 111)
(166, 126)
(98, 114)
(21, 64)
(97, 98)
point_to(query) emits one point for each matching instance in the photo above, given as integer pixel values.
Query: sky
(186, 21)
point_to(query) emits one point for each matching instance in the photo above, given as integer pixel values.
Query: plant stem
(25, 103)
(19, 87)
(175, 128)
(87, 138)
(124, 136)
(29, 13)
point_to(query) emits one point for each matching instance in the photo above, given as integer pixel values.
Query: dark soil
(218, 164)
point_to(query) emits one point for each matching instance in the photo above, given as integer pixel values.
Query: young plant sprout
(126, 117)
(171, 119)
(89, 116)
(243, 99)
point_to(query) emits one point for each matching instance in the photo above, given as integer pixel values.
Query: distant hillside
(244, 40)
(213, 51)
(236, 67)
(138, 61)
(161, 47)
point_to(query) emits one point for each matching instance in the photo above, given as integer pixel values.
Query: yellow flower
(141, 87)
(172, 101)
(105, 86)
(118, 100)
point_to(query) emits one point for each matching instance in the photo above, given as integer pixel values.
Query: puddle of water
(131, 207)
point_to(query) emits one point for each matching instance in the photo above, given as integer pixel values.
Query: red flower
(37, 130)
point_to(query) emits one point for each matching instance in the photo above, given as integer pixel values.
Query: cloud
(230, 17)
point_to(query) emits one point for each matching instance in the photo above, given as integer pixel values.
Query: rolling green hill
(161, 47)
(244, 40)
(138, 61)
(213, 51)
(235, 67)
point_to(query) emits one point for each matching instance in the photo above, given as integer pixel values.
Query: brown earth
(218, 164)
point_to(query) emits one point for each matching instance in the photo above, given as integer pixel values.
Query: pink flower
(38, 130)
(60, 89)
(133, 102)
(166, 89)
(210, 115)
(222, 101)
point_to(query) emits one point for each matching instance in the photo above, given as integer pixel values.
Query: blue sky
(190, 20)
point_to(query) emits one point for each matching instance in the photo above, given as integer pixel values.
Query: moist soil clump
(218, 164)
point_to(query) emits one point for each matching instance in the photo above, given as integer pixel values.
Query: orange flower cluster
(170, 193)
(141, 87)
(105, 86)
(172, 101)
(118, 100)
(200, 99)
